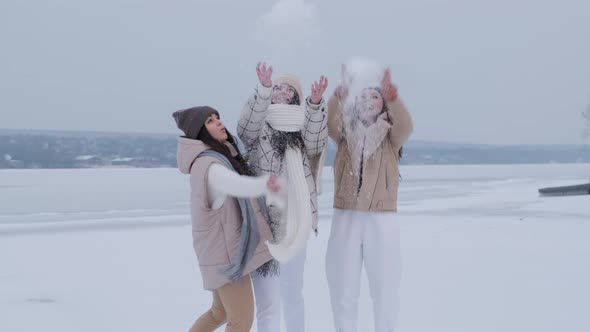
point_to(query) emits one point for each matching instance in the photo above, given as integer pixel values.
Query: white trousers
(372, 239)
(286, 291)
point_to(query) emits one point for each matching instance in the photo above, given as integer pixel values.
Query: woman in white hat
(286, 135)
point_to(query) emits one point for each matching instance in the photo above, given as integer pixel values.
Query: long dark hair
(238, 161)
(295, 100)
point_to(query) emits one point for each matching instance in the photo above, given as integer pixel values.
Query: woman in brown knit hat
(229, 226)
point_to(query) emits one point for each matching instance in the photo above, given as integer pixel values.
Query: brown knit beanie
(192, 120)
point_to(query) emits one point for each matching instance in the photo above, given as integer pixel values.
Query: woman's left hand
(318, 89)
(388, 90)
(273, 184)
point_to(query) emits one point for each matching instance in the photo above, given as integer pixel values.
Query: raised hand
(318, 89)
(341, 92)
(388, 89)
(264, 74)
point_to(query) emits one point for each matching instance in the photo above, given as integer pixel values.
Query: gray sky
(503, 71)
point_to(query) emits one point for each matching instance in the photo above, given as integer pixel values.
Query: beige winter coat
(380, 172)
(216, 232)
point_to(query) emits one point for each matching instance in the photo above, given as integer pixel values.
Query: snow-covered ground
(111, 250)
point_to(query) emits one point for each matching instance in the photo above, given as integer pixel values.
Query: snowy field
(111, 250)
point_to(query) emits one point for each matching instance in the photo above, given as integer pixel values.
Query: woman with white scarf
(286, 136)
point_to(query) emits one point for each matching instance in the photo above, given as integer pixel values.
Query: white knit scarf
(296, 219)
(363, 139)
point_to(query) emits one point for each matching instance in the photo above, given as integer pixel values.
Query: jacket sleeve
(315, 133)
(402, 125)
(335, 119)
(253, 114)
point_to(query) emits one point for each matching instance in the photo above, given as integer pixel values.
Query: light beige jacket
(380, 172)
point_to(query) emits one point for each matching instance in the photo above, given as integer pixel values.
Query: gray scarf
(249, 236)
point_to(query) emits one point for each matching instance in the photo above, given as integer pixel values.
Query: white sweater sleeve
(224, 182)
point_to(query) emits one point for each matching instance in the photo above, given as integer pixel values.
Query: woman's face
(370, 104)
(216, 128)
(282, 94)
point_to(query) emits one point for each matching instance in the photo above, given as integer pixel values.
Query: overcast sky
(498, 72)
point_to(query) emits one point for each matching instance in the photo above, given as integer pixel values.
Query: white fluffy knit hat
(293, 81)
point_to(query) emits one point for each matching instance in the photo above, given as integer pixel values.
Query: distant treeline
(46, 149)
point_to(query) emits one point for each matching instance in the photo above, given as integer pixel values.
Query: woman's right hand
(388, 89)
(264, 74)
(341, 92)
(273, 184)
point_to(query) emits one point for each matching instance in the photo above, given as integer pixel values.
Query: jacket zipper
(361, 168)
